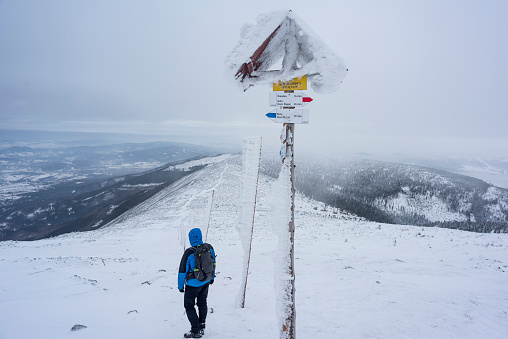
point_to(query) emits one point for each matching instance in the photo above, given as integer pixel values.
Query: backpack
(205, 263)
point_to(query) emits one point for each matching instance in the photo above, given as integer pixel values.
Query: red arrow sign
(283, 99)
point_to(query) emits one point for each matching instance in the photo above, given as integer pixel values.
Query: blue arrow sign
(296, 116)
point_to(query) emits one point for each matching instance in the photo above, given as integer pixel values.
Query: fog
(424, 76)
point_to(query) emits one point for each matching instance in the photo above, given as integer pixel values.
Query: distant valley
(47, 190)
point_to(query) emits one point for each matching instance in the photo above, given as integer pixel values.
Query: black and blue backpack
(205, 262)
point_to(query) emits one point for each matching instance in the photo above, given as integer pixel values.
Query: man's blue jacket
(188, 263)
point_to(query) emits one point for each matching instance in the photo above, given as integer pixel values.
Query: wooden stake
(209, 216)
(288, 327)
(252, 229)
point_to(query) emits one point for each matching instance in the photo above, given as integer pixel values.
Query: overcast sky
(426, 75)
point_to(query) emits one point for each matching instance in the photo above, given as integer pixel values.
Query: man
(196, 289)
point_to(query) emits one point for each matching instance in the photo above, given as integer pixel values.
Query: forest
(399, 193)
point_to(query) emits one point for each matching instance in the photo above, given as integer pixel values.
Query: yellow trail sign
(297, 84)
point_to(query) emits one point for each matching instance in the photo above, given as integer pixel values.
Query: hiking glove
(211, 281)
(182, 290)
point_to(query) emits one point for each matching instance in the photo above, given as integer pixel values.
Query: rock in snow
(77, 327)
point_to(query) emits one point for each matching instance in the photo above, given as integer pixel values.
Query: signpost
(289, 99)
(290, 115)
(250, 64)
(286, 96)
(289, 324)
(297, 84)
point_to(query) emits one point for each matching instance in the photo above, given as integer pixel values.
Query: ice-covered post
(288, 326)
(251, 166)
(276, 36)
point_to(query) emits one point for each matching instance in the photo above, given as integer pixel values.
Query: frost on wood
(281, 216)
(251, 159)
(283, 36)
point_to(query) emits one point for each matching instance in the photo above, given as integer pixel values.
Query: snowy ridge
(186, 166)
(354, 279)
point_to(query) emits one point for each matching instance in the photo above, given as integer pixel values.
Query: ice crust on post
(281, 213)
(250, 164)
(286, 37)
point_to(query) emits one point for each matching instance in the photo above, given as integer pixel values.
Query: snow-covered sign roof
(283, 36)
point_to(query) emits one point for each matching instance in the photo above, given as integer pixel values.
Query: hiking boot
(192, 335)
(202, 328)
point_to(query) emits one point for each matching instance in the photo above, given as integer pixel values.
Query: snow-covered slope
(354, 279)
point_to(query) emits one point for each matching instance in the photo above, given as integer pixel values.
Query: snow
(10, 191)
(301, 50)
(111, 209)
(200, 162)
(431, 207)
(500, 203)
(354, 278)
(97, 224)
(281, 217)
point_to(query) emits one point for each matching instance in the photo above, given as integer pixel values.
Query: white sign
(294, 116)
(282, 99)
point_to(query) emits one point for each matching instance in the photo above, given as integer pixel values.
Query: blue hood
(195, 237)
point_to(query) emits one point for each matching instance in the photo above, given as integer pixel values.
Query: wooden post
(288, 327)
(252, 228)
(209, 216)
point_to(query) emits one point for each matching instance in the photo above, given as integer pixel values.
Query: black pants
(189, 300)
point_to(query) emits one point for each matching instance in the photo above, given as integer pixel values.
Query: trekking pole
(252, 228)
(209, 216)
